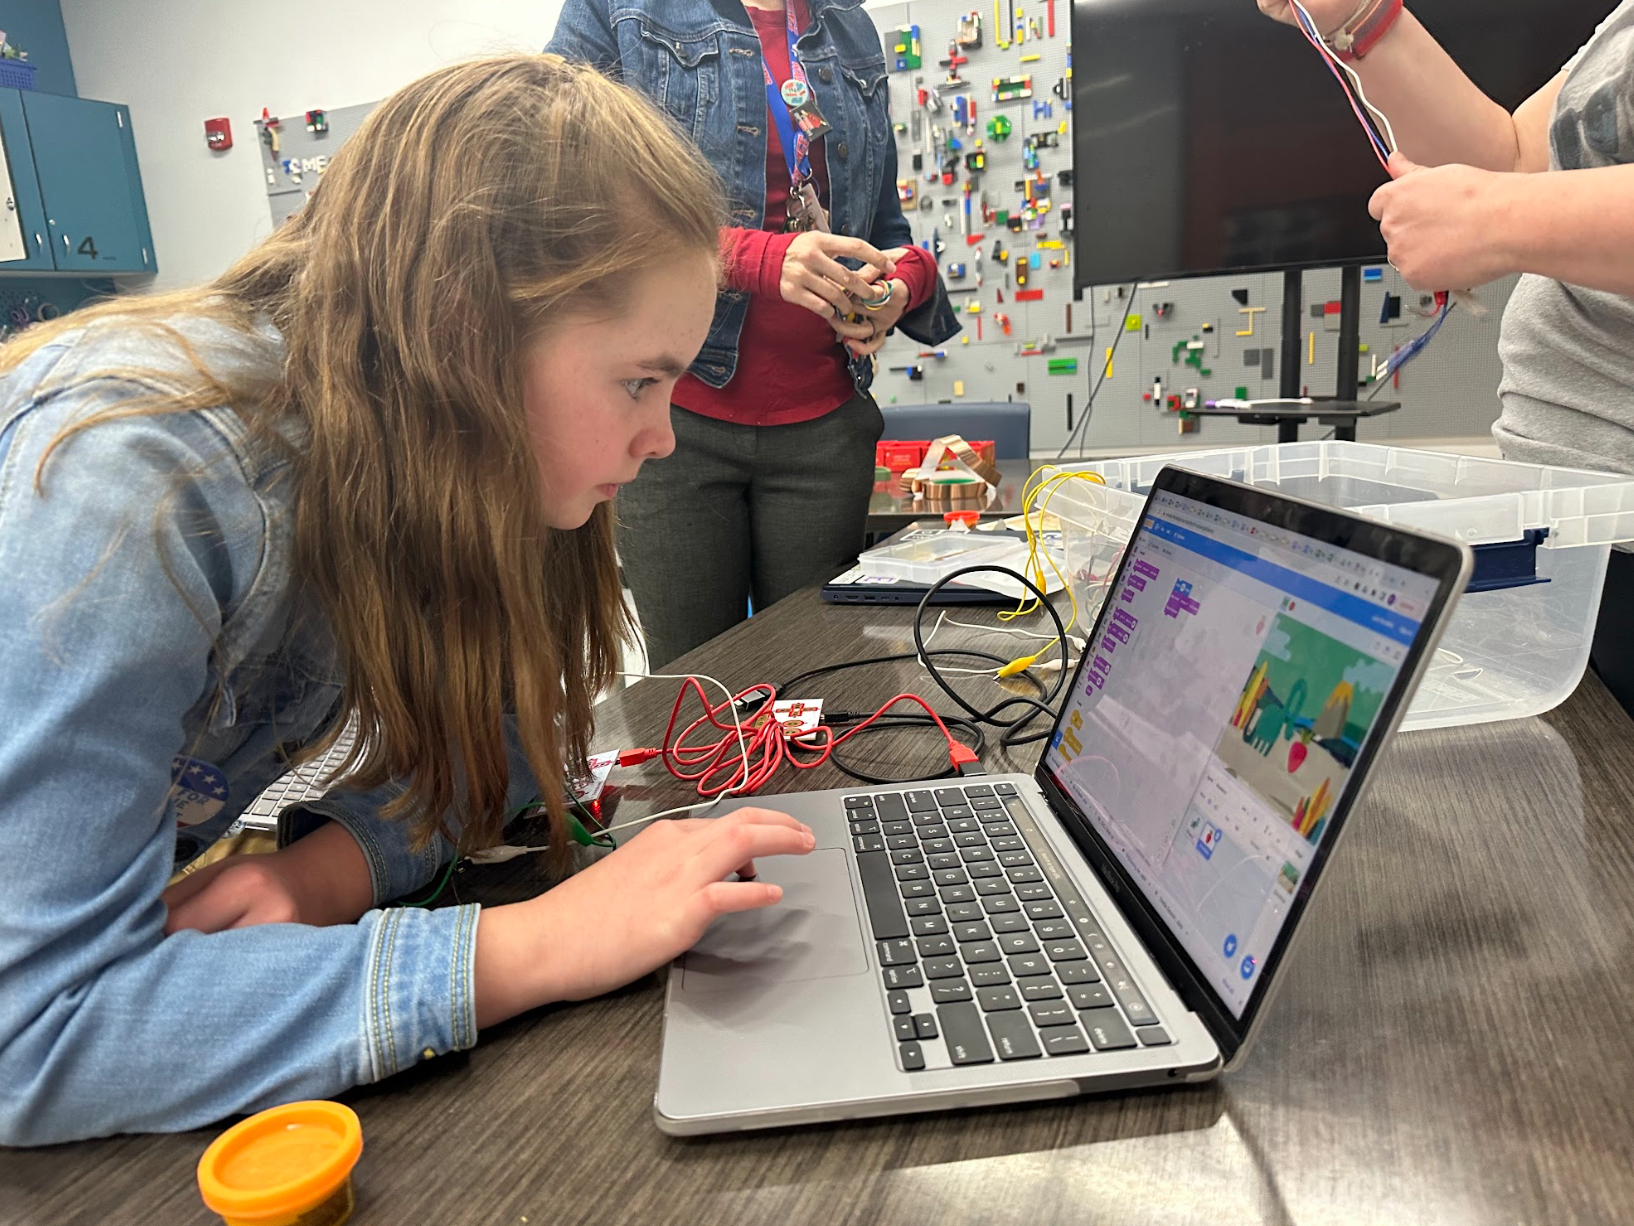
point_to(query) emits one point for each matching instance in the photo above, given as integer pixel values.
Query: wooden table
(890, 510)
(1452, 1044)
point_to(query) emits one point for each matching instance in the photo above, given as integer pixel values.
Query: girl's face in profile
(596, 389)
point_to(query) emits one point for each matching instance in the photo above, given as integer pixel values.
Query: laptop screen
(1237, 674)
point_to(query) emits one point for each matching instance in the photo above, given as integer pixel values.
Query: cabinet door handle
(39, 241)
(65, 246)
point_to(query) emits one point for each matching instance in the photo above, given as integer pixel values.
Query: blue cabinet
(75, 184)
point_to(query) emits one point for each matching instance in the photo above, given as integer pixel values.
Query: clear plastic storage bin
(1520, 637)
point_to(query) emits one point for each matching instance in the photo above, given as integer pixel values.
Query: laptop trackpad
(813, 933)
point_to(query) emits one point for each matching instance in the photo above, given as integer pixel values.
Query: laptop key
(925, 817)
(949, 876)
(1008, 923)
(925, 1024)
(969, 838)
(1089, 996)
(1049, 1013)
(946, 860)
(1023, 965)
(964, 1034)
(896, 953)
(958, 893)
(928, 925)
(867, 827)
(921, 907)
(1064, 1041)
(902, 977)
(1005, 789)
(936, 947)
(1054, 929)
(1023, 876)
(931, 832)
(944, 991)
(1015, 859)
(943, 968)
(1065, 951)
(949, 796)
(964, 913)
(956, 813)
(998, 904)
(913, 1057)
(1013, 1037)
(920, 802)
(989, 975)
(1037, 910)
(902, 827)
(1040, 989)
(901, 842)
(912, 872)
(981, 803)
(889, 806)
(981, 951)
(979, 789)
(1134, 1004)
(879, 892)
(970, 855)
(989, 887)
(1033, 893)
(897, 1002)
(859, 802)
(965, 825)
(1009, 842)
(905, 1030)
(994, 999)
(1106, 1029)
(1152, 1036)
(907, 855)
(1018, 943)
(975, 930)
(868, 842)
(981, 871)
(918, 889)
(936, 847)
(1077, 972)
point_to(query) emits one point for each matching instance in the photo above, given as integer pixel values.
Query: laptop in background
(1121, 917)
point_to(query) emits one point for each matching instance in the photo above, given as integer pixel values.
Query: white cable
(1361, 94)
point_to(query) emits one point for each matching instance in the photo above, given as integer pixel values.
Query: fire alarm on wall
(218, 133)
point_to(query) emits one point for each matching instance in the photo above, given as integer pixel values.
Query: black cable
(1011, 728)
(904, 720)
(1095, 389)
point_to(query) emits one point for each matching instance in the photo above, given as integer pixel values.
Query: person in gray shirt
(1468, 203)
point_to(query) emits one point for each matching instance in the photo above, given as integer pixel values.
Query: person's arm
(1455, 226)
(584, 31)
(1438, 114)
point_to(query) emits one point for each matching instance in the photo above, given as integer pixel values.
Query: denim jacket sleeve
(107, 617)
(584, 31)
(395, 867)
(932, 321)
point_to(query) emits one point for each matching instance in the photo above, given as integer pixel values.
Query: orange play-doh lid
(281, 1161)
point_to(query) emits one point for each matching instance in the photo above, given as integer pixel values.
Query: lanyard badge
(799, 122)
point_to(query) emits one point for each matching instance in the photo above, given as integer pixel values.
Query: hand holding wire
(1443, 224)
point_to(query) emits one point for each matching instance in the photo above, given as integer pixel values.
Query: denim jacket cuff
(420, 999)
(395, 869)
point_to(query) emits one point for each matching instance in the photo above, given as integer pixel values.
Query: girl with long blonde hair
(365, 477)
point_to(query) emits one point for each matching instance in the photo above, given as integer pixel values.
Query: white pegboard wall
(1449, 391)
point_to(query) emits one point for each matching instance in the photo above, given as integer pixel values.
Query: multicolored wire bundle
(1374, 121)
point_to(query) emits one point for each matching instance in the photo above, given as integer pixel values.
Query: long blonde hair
(471, 209)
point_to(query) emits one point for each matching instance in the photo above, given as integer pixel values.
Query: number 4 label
(87, 247)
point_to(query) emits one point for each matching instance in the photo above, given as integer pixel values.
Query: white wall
(180, 62)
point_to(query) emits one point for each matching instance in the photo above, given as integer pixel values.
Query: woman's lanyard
(798, 121)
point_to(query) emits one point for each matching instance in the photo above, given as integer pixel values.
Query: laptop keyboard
(985, 956)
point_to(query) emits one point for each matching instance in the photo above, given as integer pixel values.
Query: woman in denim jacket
(364, 475)
(769, 485)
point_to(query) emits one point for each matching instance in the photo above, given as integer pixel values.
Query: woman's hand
(323, 879)
(630, 912)
(1445, 225)
(880, 322)
(1328, 15)
(814, 278)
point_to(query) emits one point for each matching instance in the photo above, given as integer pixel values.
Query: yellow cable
(1034, 570)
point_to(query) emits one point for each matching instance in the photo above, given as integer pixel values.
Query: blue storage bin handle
(1506, 564)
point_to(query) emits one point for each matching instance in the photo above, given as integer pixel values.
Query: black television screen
(1209, 138)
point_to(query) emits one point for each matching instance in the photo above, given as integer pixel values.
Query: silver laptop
(1119, 918)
